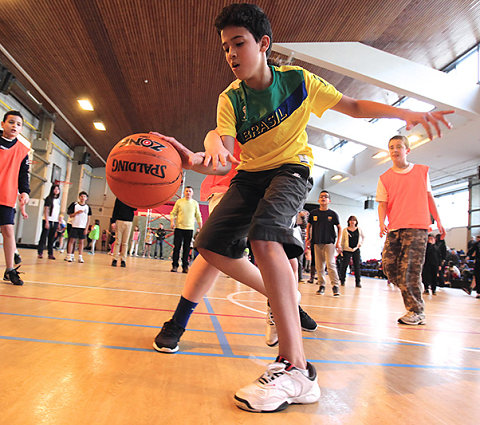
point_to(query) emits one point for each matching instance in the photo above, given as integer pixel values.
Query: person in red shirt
(404, 195)
(14, 179)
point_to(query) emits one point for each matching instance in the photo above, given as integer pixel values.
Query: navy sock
(183, 312)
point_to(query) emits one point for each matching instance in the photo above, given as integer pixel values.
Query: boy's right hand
(183, 151)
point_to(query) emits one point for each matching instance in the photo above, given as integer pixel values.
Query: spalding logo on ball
(144, 171)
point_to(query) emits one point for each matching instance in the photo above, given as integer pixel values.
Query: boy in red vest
(14, 179)
(404, 195)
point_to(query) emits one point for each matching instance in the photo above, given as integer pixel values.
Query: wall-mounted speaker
(85, 159)
(369, 204)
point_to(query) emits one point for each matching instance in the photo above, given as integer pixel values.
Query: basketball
(144, 171)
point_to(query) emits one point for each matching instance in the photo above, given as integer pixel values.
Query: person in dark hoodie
(431, 266)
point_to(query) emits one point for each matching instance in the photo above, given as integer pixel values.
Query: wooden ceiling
(158, 65)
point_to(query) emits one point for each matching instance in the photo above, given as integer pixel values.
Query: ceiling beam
(331, 160)
(351, 129)
(370, 65)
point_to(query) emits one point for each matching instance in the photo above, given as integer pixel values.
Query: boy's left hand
(427, 120)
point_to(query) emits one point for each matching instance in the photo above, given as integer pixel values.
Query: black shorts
(7, 215)
(77, 233)
(260, 205)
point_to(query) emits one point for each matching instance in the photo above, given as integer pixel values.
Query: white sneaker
(412, 318)
(281, 384)
(271, 336)
(80, 259)
(70, 258)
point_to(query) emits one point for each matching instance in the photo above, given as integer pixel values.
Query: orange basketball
(143, 170)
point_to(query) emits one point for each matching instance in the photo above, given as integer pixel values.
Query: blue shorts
(260, 205)
(7, 215)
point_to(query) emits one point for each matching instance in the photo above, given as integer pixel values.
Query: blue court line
(237, 356)
(222, 339)
(358, 341)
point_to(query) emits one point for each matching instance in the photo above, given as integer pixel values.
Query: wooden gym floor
(76, 348)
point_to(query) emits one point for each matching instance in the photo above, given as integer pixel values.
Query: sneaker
(271, 336)
(13, 276)
(80, 259)
(17, 259)
(123, 263)
(184, 269)
(307, 323)
(426, 292)
(321, 290)
(467, 290)
(478, 296)
(412, 318)
(434, 293)
(310, 280)
(51, 257)
(167, 340)
(40, 256)
(70, 258)
(358, 285)
(114, 263)
(174, 269)
(342, 283)
(336, 291)
(281, 384)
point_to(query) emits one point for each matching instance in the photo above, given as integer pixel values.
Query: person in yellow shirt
(182, 218)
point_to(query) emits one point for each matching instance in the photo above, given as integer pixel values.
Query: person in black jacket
(475, 252)
(442, 247)
(431, 265)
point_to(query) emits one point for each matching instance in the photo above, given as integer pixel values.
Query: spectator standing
(325, 241)
(51, 212)
(80, 213)
(352, 240)
(134, 245)
(123, 216)
(182, 218)
(160, 235)
(94, 235)
(431, 266)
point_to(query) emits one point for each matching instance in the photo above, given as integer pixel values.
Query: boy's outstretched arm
(368, 109)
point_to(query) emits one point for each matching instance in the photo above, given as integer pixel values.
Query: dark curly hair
(248, 16)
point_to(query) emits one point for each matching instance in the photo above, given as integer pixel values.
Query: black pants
(47, 233)
(356, 265)
(429, 276)
(181, 236)
(159, 249)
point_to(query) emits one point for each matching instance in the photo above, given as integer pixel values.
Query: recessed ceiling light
(379, 155)
(99, 125)
(337, 177)
(85, 104)
(345, 178)
(412, 138)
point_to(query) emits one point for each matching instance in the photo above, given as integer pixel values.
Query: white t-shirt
(55, 211)
(79, 220)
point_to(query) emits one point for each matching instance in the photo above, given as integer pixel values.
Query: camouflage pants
(402, 258)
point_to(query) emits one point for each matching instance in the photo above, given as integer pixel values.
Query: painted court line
(101, 322)
(222, 339)
(235, 356)
(231, 296)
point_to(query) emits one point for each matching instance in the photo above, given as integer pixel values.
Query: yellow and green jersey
(270, 124)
